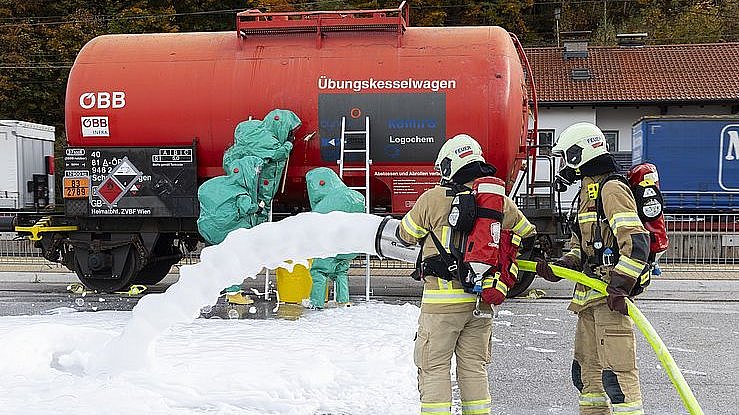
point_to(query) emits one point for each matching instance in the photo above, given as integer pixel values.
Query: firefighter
(604, 368)
(446, 325)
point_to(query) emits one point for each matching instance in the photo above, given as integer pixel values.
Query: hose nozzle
(389, 245)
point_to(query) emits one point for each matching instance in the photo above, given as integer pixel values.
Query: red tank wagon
(155, 112)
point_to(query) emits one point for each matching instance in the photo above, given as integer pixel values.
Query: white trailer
(26, 165)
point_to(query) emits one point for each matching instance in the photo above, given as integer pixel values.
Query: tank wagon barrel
(149, 116)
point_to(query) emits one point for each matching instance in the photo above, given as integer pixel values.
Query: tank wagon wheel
(153, 273)
(543, 243)
(165, 254)
(524, 281)
(101, 266)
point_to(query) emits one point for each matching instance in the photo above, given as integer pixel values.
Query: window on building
(611, 140)
(546, 138)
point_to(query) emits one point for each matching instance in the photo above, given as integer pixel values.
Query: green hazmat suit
(327, 193)
(230, 202)
(271, 141)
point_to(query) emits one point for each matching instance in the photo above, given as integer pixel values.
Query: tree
(508, 14)
(665, 21)
(40, 40)
(684, 22)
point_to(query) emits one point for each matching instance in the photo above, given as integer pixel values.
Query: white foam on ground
(679, 349)
(242, 254)
(356, 360)
(545, 332)
(540, 350)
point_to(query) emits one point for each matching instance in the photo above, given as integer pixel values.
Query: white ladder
(366, 169)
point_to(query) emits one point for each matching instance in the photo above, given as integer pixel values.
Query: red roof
(650, 74)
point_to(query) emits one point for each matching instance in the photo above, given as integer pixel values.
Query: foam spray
(242, 254)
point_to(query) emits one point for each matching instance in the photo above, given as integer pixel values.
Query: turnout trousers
(604, 369)
(439, 337)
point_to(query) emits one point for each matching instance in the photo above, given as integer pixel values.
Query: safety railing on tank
(531, 141)
(257, 23)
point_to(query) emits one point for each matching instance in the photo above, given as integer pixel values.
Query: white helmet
(580, 143)
(456, 153)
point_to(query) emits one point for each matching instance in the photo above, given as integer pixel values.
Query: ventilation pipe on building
(631, 40)
(575, 44)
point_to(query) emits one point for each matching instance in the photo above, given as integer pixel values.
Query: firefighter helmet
(580, 143)
(456, 153)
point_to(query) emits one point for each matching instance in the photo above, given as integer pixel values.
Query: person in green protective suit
(271, 140)
(230, 202)
(327, 193)
(254, 165)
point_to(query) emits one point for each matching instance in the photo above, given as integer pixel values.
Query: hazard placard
(109, 191)
(125, 181)
(76, 187)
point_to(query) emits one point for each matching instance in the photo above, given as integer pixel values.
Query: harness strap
(450, 262)
(489, 214)
(598, 246)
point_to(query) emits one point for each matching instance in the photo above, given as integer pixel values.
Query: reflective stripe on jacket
(621, 228)
(430, 214)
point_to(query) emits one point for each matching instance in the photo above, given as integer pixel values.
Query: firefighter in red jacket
(446, 325)
(615, 250)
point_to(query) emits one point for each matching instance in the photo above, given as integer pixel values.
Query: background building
(614, 87)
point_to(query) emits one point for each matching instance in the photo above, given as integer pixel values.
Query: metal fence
(20, 255)
(698, 243)
(707, 242)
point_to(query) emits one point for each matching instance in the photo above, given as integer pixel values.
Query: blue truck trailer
(697, 158)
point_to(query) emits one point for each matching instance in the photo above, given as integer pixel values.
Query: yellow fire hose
(664, 356)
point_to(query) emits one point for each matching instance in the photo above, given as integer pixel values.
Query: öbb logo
(103, 100)
(95, 127)
(95, 122)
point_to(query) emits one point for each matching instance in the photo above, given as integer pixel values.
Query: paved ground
(703, 338)
(698, 320)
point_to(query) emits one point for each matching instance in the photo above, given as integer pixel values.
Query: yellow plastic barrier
(664, 356)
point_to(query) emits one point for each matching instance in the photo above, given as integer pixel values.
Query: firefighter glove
(618, 290)
(644, 280)
(568, 262)
(492, 296)
(495, 289)
(545, 271)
